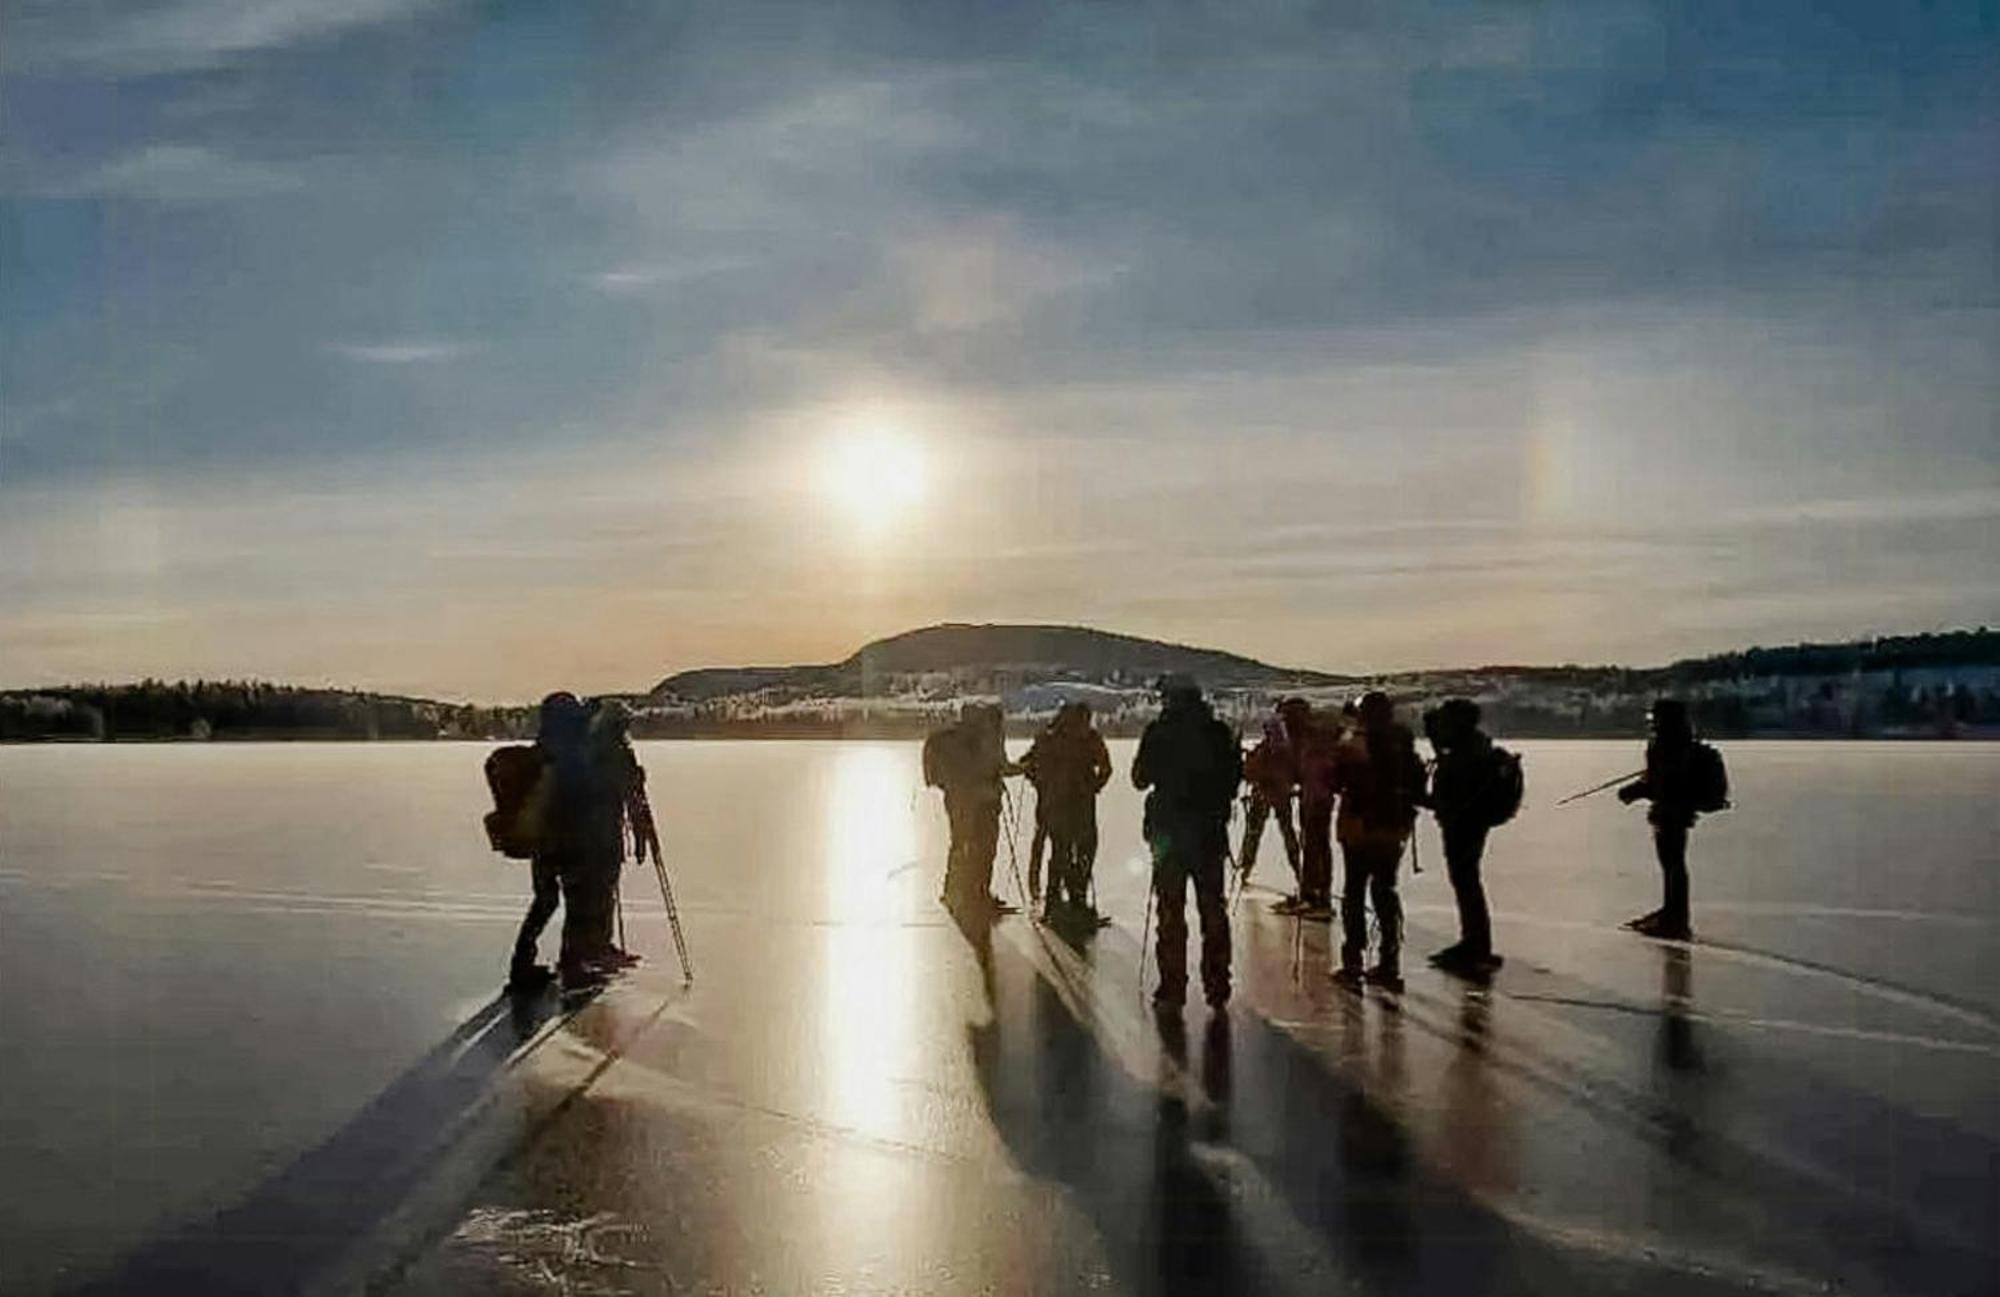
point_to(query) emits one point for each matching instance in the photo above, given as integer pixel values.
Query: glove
(1629, 794)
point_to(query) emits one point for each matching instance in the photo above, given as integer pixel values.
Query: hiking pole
(651, 835)
(1145, 937)
(1598, 788)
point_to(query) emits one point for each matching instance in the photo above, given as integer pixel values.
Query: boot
(1386, 975)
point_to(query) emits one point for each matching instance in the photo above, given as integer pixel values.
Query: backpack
(941, 753)
(514, 775)
(1505, 786)
(1708, 779)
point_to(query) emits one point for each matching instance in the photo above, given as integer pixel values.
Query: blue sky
(478, 348)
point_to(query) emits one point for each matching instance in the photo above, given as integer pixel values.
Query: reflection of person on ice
(1191, 763)
(1272, 775)
(968, 763)
(1068, 766)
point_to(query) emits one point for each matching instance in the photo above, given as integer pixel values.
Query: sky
(479, 349)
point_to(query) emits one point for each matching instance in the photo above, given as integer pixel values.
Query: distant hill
(1912, 686)
(990, 659)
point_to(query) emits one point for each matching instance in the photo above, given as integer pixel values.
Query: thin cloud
(179, 173)
(183, 35)
(413, 352)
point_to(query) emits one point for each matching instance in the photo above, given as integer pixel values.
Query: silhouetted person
(1379, 778)
(1192, 764)
(1684, 778)
(967, 762)
(1315, 743)
(1038, 847)
(1069, 765)
(555, 868)
(617, 799)
(1272, 774)
(1466, 798)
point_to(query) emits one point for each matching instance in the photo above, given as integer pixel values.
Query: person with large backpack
(1475, 787)
(1189, 765)
(1069, 766)
(968, 763)
(536, 798)
(1379, 778)
(1684, 779)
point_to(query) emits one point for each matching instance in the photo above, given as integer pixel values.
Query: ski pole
(1145, 938)
(1598, 788)
(674, 919)
(643, 823)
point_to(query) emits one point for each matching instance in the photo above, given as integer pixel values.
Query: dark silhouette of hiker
(1684, 778)
(1379, 778)
(1461, 797)
(1039, 846)
(968, 763)
(1069, 765)
(1315, 743)
(1272, 772)
(561, 741)
(617, 789)
(1191, 764)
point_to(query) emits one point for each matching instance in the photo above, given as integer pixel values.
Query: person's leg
(1062, 863)
(1316, 872)
(985, 846)
(1670, 842)
(1170, 898)
(1353, 907)
(1256, 814)
(1464, 845)
(1388, 902)
(547, 886)
(576, 917)
(1038, 847)
(1290, 833)
(959, 852)
(1210, 901)
(1086, 853)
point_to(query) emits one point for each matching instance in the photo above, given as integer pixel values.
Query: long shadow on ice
(1254, 1168)
(303, 1219)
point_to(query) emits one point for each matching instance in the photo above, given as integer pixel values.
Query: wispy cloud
(405, 352)
(177, 173)
(181, 35)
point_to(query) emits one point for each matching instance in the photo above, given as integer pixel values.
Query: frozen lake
(216, 958)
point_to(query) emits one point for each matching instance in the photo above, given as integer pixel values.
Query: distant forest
(243, 709)
(1936, 685)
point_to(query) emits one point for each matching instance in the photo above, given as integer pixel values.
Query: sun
(876, 476)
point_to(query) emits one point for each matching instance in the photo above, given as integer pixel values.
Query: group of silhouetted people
(1352, 778)
(582, 795)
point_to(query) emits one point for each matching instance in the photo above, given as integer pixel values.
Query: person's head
(1669, 720)
(1375, 711)
(1451, 721)
(1177, 690)
(561, 716)
(1074, 715)
(1294, 714)
(610, 719)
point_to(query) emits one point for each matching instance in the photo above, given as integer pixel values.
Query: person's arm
(1100, 763)
(1142, 764)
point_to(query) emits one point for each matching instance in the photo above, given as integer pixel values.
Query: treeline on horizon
(243, 709)
(1854, 689)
